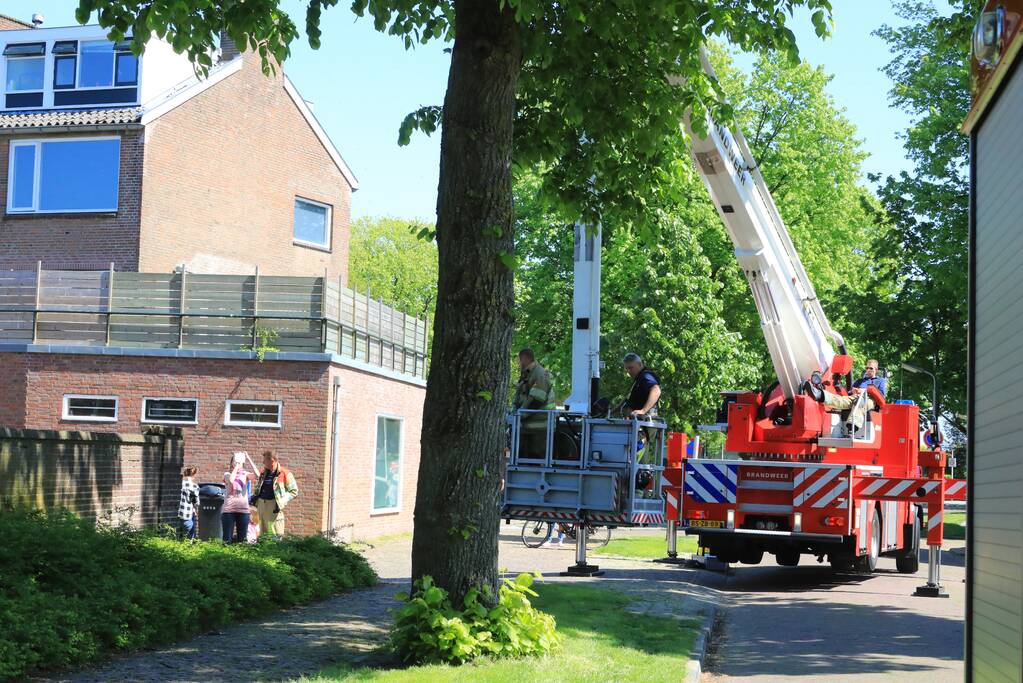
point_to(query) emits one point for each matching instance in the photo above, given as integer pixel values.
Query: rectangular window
(177, 411)
(312, 223)
(387, 465)
(127, 71)
(253, 413)
(25, 74)
(90, 408)
(64, 72)
(96, 67)
(70, 175)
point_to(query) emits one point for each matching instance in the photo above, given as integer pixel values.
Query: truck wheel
(787, 558)
(868, 563)
(751, 556)
(840, 564)
(909, 562)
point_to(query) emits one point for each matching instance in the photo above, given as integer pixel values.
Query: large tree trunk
(457, 516)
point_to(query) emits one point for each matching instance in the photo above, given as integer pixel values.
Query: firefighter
(535, 391)
(646, 388)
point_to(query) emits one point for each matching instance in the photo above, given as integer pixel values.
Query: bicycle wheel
(535, 534)
(597, 536)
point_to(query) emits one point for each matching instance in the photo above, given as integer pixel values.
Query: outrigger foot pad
(583, 570)
(931, 591)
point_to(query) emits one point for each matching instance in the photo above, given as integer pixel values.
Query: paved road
(806, 623)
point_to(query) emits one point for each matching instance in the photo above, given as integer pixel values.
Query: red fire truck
(849, 482)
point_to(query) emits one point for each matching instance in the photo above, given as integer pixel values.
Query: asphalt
(809, 623)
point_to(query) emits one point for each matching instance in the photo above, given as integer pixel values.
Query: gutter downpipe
(335, 447)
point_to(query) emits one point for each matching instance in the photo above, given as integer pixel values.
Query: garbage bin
(211, 501)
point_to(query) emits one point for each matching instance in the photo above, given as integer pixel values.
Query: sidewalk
(304, 640)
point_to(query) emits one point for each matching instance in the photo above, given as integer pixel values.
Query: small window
(387, 465)
(65, 47)
(25, 50)
(90, 408)
(253, 413)
(96, 68)
(127, 71)
(64, 72)
(25, 74)
(178, 411)
(72, 175)
(312, 223)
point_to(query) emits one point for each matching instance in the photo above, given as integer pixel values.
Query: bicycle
(537, 532)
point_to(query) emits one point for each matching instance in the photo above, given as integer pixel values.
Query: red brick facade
(37, 382)
(76, 240)
(211, 183)
(10, 23)
(221, 176)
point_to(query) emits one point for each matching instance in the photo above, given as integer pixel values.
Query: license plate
(706, 523)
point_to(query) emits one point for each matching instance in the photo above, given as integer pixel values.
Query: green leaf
(485, 395)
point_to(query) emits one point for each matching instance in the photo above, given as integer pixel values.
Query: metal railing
(198, 311)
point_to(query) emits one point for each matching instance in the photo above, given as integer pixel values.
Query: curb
(694, 667)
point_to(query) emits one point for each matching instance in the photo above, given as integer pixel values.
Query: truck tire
(909, 561)
(752, 556)
(868, 563)
(787, 558)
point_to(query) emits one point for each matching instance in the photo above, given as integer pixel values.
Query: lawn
(955, 525)
(646, 547)
(603, 642)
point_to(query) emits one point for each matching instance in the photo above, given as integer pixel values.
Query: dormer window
(65, 63)
(69, 73)
(23, 77)
(104, 64)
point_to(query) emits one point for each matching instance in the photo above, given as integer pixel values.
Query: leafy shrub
(70, 593)
(429, 630)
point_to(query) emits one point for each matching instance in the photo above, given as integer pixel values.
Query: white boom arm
(797, 332)
(585, 319)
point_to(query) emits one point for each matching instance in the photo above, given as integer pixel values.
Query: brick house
(154, 225)
(170, 160)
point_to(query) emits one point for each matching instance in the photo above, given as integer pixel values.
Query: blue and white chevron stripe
(708, 482)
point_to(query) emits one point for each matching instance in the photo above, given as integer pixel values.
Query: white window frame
(66, 415)
(147, 399)
(401, 464)
(329, 230)
(228, 422)
(113, 73)
(38, 144)
(8, 60)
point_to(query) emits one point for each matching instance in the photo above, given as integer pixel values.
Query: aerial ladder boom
(797, 332)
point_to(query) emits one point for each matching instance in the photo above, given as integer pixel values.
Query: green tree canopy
(395, 259)
(918, 293)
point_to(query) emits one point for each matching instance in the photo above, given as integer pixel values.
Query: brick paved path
(350, 627)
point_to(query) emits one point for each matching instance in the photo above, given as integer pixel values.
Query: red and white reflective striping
(821, 487)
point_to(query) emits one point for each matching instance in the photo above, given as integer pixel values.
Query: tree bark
(463, 438)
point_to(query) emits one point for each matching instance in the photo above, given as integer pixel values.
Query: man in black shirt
(646, 388)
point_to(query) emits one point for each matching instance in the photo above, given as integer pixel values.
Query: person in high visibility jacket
(535, 391)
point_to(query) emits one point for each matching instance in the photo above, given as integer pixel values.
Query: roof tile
(78, 117)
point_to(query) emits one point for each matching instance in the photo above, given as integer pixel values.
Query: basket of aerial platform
(573, 468)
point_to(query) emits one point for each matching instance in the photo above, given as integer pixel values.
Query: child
(188, 504)
(253, 524)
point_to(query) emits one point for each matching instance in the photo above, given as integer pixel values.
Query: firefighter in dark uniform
(534, 391)
(646, 388)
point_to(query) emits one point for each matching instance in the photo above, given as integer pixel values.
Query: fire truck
(798, 478)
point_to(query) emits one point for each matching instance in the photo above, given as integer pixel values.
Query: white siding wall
(997, 602)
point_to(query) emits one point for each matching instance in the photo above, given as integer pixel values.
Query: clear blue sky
(362, 84)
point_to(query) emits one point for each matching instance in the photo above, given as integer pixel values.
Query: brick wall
(39, 382)
(70, 240)
(10, 23)
(363, 397)
(131, 478)
(221, 175)
(301, 386)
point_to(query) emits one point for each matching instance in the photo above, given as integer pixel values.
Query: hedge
(71, 593)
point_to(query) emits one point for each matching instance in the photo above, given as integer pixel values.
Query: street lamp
(909, 367)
